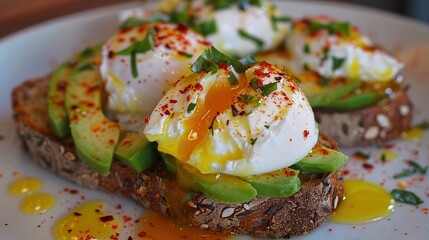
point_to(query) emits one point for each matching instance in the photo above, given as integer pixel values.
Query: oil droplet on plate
(88, 221)
(363, 202)
(24, 186)
(414, 134)
(37, 203)
(153, 225)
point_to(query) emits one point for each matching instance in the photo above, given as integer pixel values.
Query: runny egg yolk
(363, 202)
(218, 99)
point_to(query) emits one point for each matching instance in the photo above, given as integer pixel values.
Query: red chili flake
(114, 226)
(111, 141)
(97, 210)
(182, 27)
(198, 87)
(330, 229)
(77, 214)
(119, 206)
(73, 191)
(107, 218)
(82, 197)
(69, 230)
(127, 219)
(126, 142)
(74, 107)
(278, 78)
(173, 101)
(289, 173)
(305, 133)
(368, 166)
(142, 234)
(130, 238)
(1, 137)
(147, 119)
(111, 54)
(346, 171)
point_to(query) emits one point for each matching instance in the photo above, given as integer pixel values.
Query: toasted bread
(268, 217)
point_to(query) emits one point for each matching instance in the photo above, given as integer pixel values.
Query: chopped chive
(405, 173)
(253, 141)
(417, 167)
(306, 49)
(267, 126)
(204, 65)
(325, 54)
(205, 28)
(86, 53)
(276, 19)
(188, 55)
(232, 79)
(211, 58)
(139, 47)
(251, 37)
(248, 60)
(337, 63)
(84, 67)
(333, 27)
(405, 196)
(137, 22)
(360, 154)
(191, 107)
(306, 67)
(247, 98)
(268, 89)
(253, 83)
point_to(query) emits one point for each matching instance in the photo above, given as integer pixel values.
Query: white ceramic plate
(36, 51)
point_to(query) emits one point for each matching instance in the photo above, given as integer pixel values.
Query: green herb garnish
(136, 22)
(139, 47)
(211, 58)
(417, 167)
(205, 28)
(232, 79)
(405, 173)
(268, 89)
(86, 53)
(306, 49)
(253, 83)
(253, 141)
(188, 55)
(84, 67)
(247, 61)
(191, 107)
(360, 154)
(325, 54)
(333, 27)
(256, 40)
(247, 98)
(337, 63)
(276, 19)
(405, 196)
(188, 197)
(222, 4)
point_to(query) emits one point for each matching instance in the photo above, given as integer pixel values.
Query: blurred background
(18, 14)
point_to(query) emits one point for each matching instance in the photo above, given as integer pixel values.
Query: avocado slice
(95, 137)
(219, 187)
(321, 160)
(57, 86)
(280, 183)
(135, 151)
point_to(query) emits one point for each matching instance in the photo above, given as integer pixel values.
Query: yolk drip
(154, 226)
(363, 202)
(88, 221)
(414, 134)
(24, 186)
(37, 203)
(218, 99)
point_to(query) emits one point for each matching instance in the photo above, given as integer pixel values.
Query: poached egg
(140, 63)
(261, 123)
(335, 49)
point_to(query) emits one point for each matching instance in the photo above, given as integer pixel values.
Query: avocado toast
(240, 206)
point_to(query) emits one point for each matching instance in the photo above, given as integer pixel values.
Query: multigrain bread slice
(267, 217)
(370, 125)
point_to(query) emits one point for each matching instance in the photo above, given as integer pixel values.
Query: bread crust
(266, 217)
(371, 125)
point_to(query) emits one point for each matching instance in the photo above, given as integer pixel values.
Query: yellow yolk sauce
(154, 226)
(24, 186)
(37, 203)
(218, 99)
(363, 202)
(414, 134)
(88, 221)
